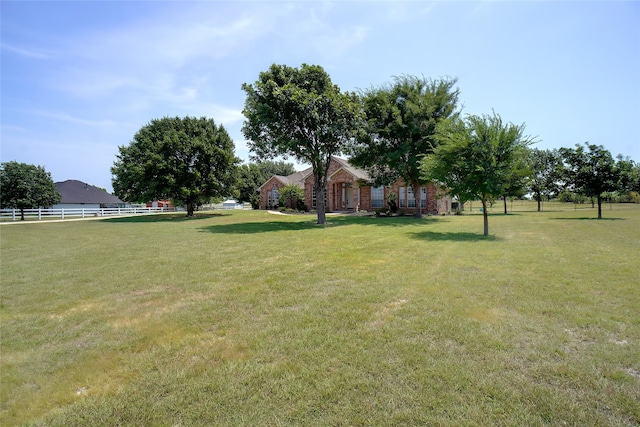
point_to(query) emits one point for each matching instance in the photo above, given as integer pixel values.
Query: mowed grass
(248, 318)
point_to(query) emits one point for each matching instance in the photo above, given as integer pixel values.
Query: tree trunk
(599, 207)
(21, 214)
(417, 195)
(538, 197)
(485, 215)
(505, 204)
(190, 208)
(320, 195)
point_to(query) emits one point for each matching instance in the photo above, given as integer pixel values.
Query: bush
(255, 202)
(301, 206)
(567, 196)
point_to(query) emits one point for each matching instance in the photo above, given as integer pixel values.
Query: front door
(348, 196)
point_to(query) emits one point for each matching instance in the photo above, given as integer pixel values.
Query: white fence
(43, 214)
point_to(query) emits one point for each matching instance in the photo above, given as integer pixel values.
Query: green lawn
(248, 318)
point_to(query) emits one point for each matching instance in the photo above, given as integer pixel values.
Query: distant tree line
(410, 128)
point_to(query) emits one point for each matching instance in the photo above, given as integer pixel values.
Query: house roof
(358, 173)
(295, 178)
(298, 178)
(73, 191)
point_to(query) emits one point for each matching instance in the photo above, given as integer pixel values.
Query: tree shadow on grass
(260, 227)
(177, 217)
(453, 237)
(286, 225)
(589, 218)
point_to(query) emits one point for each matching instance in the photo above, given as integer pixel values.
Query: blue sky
(79, 78)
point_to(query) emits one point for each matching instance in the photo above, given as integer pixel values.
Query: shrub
(301, 206)
(391, 200)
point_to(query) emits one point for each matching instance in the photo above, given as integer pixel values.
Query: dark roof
(73, 191)
(298, 178)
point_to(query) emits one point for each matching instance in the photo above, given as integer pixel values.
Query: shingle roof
(73, 191)
(356, 172)
(298, 178)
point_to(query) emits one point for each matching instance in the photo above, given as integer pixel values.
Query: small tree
(290, 194)
(24, 186)
(628, 173)
(545, 173)
(516, 178)
(591, 172)
(474, 158)
(189, 160)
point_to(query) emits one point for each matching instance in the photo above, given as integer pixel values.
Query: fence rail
(44, 214)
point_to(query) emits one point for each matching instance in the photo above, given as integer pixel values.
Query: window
(272, 197)
(401, 198)
(377, 197)
(411, 200)
(423, 197)
(314, 197)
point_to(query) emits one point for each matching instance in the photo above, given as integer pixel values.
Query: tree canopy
(189, 160)
(591, 171)
(300, 113)
(401, 120)
(474, 157)
(545, 170)
(24, 186)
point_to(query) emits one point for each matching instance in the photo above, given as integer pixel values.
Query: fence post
(82, 212)
(13, 215)
(62, 213)
(39, 214)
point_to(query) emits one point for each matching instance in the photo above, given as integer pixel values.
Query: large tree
(544, 180)
(250, 180)
(268, 168)
(401, 120)
(300, 113)
(24, 186)
(591, 171)
(474, 158)
(189, 160)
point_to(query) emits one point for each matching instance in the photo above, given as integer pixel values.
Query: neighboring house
(78, 195)
(231, 204)
(160, 204)
(349, 189)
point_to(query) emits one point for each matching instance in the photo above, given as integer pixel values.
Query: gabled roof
(358, 173)
(295, 178)
(73, 191)
(298, 178)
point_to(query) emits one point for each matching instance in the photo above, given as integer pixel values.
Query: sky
(80, 78)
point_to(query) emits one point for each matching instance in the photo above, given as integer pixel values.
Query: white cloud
(68, 118)
(27, 52)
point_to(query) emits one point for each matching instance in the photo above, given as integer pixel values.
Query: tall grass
(248, 318)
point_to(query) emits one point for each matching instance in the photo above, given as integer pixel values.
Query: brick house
(349, 189)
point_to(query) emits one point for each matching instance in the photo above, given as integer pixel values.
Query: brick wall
(334, 193)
